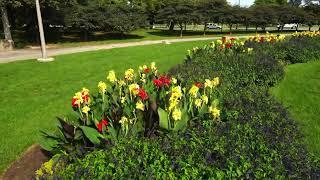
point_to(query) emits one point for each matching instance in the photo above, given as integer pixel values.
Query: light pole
(42, 39)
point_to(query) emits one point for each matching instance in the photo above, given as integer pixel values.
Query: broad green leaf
(48, 143)
(92, 134)
(163, 118)
(183, 122)
(113, 132)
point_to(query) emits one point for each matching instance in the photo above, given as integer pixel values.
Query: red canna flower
(165, 80)
(158, 83)
(86, 98)
(146, 71)
(261, 39)
(233, 38)
(73, 102)
(198, 84)
(228, 45)
(102, 124)
(143, 94)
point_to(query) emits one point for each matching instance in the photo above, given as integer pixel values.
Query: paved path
(24, 54)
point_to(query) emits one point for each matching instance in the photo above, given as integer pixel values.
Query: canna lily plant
(139, 103)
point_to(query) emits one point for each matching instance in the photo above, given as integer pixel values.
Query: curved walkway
(25, 54)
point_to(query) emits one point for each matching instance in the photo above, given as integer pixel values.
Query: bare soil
(25, 167)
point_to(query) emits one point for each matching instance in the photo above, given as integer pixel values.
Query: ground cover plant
(40, 92)
(254, 136)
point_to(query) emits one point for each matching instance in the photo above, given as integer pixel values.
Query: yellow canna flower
(112, 77)
(176, 114)
(218, 42)
(250, 50)
(176, 93)
(153, 66)
(102, 87)
(216, 81)
(174, 80)
(213, 45)
(123, 100)
(208, 83)
(78, 97)
(214, 112)
(205, 99)
(173, 104)
(140, 106)
(134, 89)
(123, 120)
(143, 78)
(194, 91)
(85, 109)
(121, 83)
(85, 91)
(129, 74)
(198, 103)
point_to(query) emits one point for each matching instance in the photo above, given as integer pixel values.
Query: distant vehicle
(213, 26)
(287, 26)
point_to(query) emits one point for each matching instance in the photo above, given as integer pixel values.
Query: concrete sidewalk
(25, 54)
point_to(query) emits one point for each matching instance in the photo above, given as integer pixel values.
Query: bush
(256, 138)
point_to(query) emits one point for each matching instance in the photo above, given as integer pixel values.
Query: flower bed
(194, 126)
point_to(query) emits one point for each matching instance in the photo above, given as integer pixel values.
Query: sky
(246, 3)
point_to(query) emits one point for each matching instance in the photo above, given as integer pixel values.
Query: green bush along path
(300, 93)
(33, 94)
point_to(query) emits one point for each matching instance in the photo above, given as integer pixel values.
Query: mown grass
(33, 93)
(300, 93)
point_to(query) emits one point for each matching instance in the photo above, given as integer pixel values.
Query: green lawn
(300, 92)
(33, 93)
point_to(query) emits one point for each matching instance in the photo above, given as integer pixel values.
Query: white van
(213, 26)
(287, 26)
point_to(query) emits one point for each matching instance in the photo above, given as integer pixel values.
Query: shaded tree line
(121, 16)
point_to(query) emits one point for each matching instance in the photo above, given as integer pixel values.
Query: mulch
(25, 167)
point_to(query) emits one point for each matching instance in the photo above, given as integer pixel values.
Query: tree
(24, 14)
(270, 2)
(313, 15)
(116, 16)
(232, 15)
(262, 15)
(210, 10)
(177, 12)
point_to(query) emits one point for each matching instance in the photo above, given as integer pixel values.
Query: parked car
(287, 26)
(213, 26)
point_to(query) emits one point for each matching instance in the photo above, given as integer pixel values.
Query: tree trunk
(205, 29)
(185, 27)
(309, 28)
(171, 27)
(230, 27)
(85, 35)
(246, 27)
(6, 26)
(181, 30)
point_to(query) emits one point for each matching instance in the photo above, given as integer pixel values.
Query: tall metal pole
(42, 39)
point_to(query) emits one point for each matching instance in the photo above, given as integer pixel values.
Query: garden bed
(216, 119)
